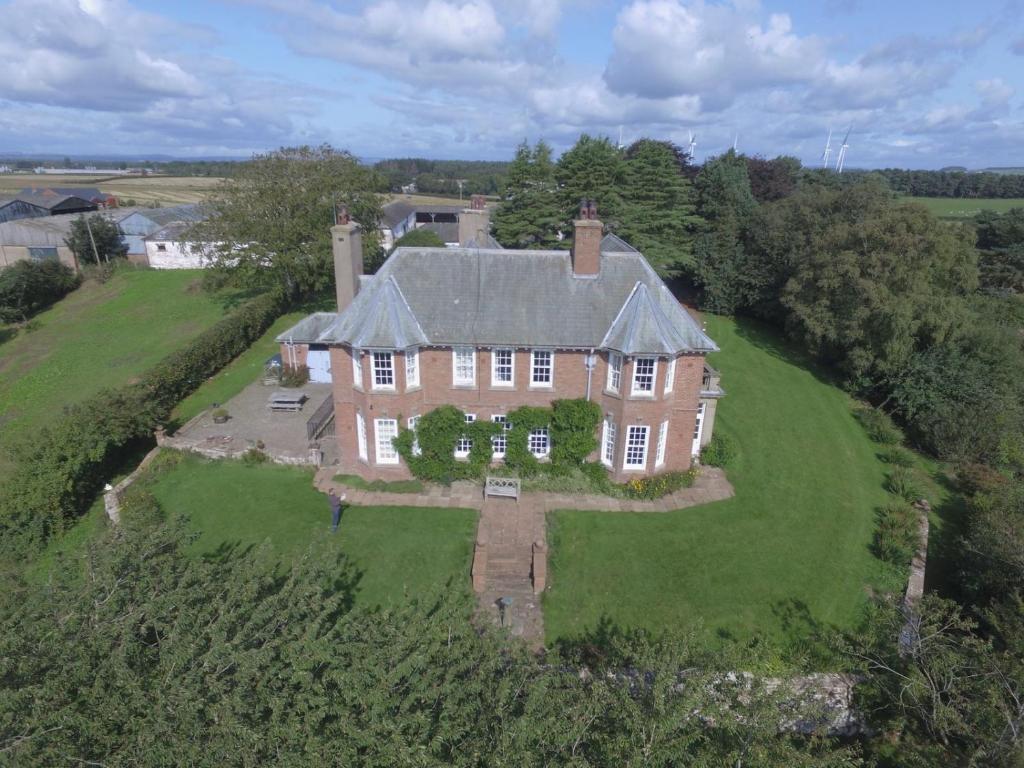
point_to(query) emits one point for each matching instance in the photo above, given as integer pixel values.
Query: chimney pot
(476, 202)
(586, 245)
(341, 214)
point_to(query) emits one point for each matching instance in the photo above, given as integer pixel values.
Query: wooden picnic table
(287, 401)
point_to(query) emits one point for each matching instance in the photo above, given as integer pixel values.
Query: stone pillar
(161, 436)
(480, 566)
(540, 567)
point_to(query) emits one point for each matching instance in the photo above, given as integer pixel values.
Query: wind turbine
(692, 147)
(828, 150)
(842, 151)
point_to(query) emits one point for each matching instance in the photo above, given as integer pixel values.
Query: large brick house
(491, 329)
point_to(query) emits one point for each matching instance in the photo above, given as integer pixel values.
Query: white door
(319, 363)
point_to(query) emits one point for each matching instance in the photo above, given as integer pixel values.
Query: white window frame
(698, 428)
(670, 375)
(385, 453)
(614, 380)
(412, 368)
(547, 442)
(357, 367)
(634, 390)
(460, 451)
(456, 352)
(361, 436)
(659, 456)
(551, 368)
(511, 368)
(503, 436)
(412, 423)
(608, 435)
(378, 371)
(634, 466)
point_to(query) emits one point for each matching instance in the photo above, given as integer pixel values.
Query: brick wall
(294, 354)
(484, 399)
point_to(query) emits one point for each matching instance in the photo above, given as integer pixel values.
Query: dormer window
(645, 371)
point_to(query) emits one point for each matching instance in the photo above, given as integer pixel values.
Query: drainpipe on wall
(590, 361)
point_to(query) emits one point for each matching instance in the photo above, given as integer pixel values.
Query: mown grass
(384, 486)
(101, 335)
(788, 555)
(964, 207)
(398, 552)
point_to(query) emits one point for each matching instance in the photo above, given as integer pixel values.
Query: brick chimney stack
(474, 222)
(347, 247)
(586, 244)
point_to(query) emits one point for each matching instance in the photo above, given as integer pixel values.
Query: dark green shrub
(597, 474)
(896, 536)
(719, 452)
(294, 375)
(28, 287)
(980, 478)
(517, 455)
(902, 483)
(897, 455)
(879, 425)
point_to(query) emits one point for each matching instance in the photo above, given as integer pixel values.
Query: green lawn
(962, 208)
(397, 551)
(789, 551)
(101, 335)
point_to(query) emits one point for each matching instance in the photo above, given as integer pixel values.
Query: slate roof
(397, 212)
(309, 328)
(446, 230)
(493, 297)
(488, 242)
(612, 243)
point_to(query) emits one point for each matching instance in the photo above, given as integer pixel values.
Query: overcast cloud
(919, 86)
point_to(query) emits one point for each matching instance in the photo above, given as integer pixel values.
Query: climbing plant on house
(429, 452)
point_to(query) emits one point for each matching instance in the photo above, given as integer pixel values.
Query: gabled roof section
(379, 316)
(488, 242)
(650, 323)
(612, 243)
(308, 328)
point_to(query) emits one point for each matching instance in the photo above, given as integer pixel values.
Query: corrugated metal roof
(397, 212)
(490, 297)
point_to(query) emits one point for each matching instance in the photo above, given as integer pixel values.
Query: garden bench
(287, 401)
(502, 486)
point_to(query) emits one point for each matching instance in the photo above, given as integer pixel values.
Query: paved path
(508, 528)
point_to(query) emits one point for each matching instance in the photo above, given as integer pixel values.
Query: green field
(397, 552)
(789, 552)
(965, 208)
(144, 190)
(101, 335)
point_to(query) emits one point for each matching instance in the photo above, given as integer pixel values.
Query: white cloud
(995, 92)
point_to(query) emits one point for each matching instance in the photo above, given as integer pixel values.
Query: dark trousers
(335, 517)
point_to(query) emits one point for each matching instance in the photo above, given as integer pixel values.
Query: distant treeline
(441, 177)
(951, 183)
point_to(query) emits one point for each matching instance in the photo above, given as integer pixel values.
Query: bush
(294, 375)
(64, 465)
(879, 425)
(897, 456)
(719, 452)
(896, 537)
(28, 287)
(980, 478)
(656, 486)
(902, 482)
(254, 457)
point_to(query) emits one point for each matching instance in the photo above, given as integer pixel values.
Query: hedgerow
(64, 465)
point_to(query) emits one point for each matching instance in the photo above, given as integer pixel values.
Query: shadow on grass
(944, 542)
(770, 339)
(7, 333)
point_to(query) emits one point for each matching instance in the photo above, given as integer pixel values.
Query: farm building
(11, 210)
(92, 194)
(56, 203)
(141, 223)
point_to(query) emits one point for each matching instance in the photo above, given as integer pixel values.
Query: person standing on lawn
(335, 500)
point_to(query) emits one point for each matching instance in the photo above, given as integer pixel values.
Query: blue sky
(922, 84)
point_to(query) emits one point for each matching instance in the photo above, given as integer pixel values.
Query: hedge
(64, 466)
(28, 287)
